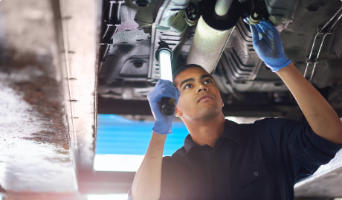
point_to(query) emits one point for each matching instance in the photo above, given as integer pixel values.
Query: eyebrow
(187, 80)
(191, 79)
(206, 76)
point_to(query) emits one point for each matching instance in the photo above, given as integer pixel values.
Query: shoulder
(174, 163)
(247, 130)
(272, 121)
(276, 124)
(177, 156)
(261, 123)
(272, 132)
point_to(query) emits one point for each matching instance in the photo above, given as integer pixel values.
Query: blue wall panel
(118, 135)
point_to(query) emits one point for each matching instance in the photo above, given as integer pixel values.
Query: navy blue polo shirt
(260, 161)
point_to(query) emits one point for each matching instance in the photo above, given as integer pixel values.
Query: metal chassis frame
(325, 30)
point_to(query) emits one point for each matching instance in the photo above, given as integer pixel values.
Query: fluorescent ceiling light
(120, 163)
(108, 197)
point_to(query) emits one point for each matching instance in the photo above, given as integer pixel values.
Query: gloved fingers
(268, 33)
(163, 88)
(260, 33)
(155, 98)
(246, 20)
(164, 84)
(269, 29)
(273, 41)
(167, 84)
(268, 25)
(255, 34)
(169, 94)
(162, 81)
(176, 99)
(172, 89)
(163, 91)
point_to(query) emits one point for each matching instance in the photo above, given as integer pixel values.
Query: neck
(206, 131)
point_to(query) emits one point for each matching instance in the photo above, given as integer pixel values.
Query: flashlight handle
(167, 106)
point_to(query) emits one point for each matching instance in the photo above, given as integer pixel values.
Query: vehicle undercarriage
(131, 31)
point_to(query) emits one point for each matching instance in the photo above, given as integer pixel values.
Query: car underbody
(63, 62)
(131, 31)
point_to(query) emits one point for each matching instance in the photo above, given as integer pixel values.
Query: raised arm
(147, 180)
(320, 115)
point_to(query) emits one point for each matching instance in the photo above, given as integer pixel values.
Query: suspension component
(322, 32)
(257, 13)
(212, 34)
(111, 14)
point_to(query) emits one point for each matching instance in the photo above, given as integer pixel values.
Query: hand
(163, 88)
(268, 45)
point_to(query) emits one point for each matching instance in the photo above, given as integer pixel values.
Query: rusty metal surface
(80, 28)
(47, 95)
(34, 140)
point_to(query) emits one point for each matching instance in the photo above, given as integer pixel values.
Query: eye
(208, 81)
(187, 86)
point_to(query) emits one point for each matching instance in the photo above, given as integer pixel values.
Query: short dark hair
(183, 68)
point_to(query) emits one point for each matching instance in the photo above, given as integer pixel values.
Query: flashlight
(164, 56)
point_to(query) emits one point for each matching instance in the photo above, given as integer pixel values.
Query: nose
(201, 88)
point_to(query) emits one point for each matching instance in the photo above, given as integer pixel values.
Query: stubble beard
(207, 113)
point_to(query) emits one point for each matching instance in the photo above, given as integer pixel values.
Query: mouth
(204, 98)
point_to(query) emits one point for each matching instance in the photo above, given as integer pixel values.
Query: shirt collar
(231, 131)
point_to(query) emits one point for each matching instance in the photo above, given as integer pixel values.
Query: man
(224, 160)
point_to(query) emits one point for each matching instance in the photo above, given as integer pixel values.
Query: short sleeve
(297, 145)
(169, 187)
(168, 181)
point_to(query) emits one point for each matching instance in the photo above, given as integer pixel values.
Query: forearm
(319, 114)
(147, 180)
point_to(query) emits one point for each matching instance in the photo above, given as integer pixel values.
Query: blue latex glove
(268, 45)
(163, 88)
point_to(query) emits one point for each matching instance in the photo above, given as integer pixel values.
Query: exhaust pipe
(212, 32)
(222, 7)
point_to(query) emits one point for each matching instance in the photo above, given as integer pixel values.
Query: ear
(178, 113)
(222, 104)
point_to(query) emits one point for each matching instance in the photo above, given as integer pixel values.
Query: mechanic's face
(200, 98)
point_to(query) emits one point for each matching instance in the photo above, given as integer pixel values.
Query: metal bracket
(324, 31)
(110, 24)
